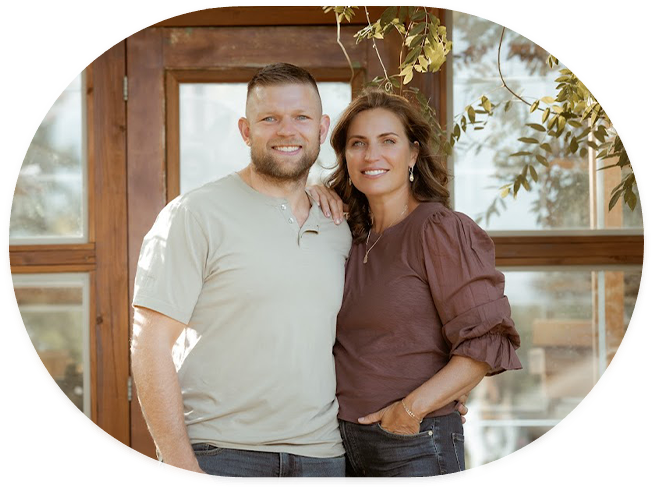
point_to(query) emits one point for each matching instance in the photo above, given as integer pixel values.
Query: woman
(424, 316)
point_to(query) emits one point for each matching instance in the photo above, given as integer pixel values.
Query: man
(248, 274)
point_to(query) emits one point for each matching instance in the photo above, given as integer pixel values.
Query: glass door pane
(45, 380)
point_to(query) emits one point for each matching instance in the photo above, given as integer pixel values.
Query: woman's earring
(349, 180)
(410, 173)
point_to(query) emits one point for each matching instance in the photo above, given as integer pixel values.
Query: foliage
(571, 123)
(604, 106)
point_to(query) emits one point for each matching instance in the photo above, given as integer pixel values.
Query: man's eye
(302, 118)
(268, 119)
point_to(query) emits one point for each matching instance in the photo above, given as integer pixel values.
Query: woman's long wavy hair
(431, 178)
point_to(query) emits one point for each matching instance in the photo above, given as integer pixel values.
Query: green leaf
(547, 100)
(530, 141)
(542, 160)
(456, 131)
(535, 105)
(505, 192)
(487, 105)
(545, 116)
(573, 146)
(546, 147)
(387, 15)
(471, 114)
(615, 199)
(411, 58)
(521, 154)
(507, 107)
(533, 172)
(417, 29)
(525, 183)
(537, 127)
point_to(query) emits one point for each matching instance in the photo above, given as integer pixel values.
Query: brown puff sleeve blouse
(428, 291)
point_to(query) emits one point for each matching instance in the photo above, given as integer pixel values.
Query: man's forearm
(160, 397)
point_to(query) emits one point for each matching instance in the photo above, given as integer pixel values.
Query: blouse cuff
(494, 349)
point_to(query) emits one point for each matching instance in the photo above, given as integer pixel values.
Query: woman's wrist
(413, 407)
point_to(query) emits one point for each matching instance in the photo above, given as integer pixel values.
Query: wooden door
(160, 59)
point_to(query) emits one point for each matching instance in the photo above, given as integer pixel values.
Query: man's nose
(286, 127)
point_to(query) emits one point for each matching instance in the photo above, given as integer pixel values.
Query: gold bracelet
(411, 413)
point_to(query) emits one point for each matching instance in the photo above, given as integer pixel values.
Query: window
(571, 319)
(45, 380)
(43, 163)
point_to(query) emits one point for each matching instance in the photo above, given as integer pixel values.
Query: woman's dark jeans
(437, 449)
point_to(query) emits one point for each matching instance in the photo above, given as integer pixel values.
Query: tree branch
(503, 82)
(351, 67)
(385, 73)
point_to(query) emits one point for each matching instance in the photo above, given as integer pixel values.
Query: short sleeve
(171, 265)
(468, 291)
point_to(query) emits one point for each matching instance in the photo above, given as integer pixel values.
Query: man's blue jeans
(436, 450)
(237, 462)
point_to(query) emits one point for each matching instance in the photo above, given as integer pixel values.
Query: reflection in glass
(210, 143)
(42, 352)
(42, 173)
(571, 323)
(529, 456)
(42, 163)
(553, 314)
(562, 199)
(482, 163)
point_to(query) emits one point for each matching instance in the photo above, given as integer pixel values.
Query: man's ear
(325, 122)
(243, 127)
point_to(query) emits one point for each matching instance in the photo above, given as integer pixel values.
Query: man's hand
(461, 407)
(393, 418)
(192, 478)
(329, 201)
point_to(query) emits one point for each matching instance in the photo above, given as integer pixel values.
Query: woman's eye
(357, 143)
(391, 141)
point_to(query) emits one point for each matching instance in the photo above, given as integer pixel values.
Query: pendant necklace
(367, 250)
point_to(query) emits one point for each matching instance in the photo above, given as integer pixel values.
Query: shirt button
(290, 220)
(283, 206)
(430, 432)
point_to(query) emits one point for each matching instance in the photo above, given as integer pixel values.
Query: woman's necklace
(367, 250)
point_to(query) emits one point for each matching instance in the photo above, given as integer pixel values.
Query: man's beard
(267, 165)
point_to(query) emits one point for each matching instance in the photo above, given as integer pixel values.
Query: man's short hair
(281, 74)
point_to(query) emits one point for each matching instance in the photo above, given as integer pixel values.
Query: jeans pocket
(394, 435)
(459, 449)
(203, 449)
